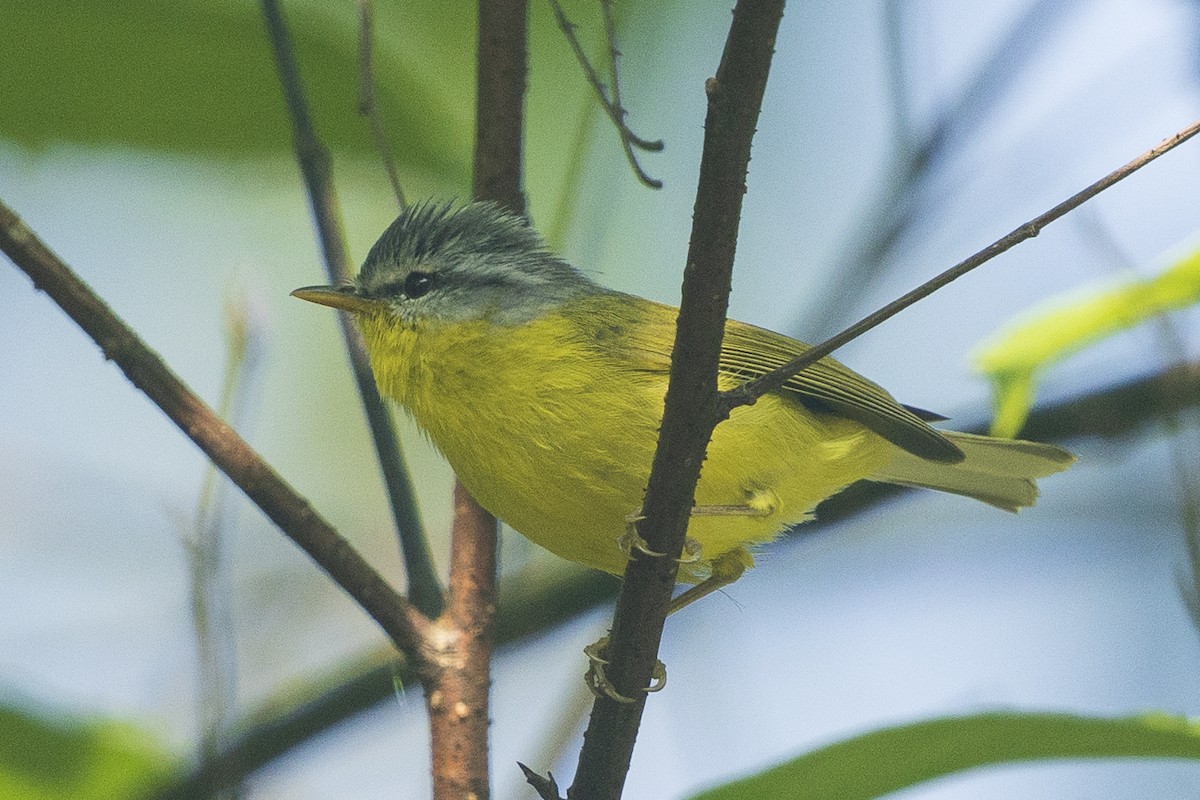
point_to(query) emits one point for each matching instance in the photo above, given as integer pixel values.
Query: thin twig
(406, 626)
(367, 105)
(749, 392)
(315, 165)
(616, 112)
(691, 408)
(628, 138)
(209, 559)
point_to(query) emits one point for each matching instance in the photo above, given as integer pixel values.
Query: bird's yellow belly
(536, 432)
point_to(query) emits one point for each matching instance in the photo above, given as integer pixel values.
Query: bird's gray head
(477, 261)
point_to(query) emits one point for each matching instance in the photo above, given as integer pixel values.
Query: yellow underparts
(551, 425)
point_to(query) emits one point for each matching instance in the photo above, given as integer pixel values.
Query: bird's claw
(691, 551)
(598, 682)
(631, 540)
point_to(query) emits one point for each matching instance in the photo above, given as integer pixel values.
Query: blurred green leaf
(1013, 357)
(890, 759)
(48, 756)
(198, 77)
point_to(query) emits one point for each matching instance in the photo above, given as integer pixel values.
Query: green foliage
(1015, 356)
(198, 77)
(46, 756)
(887, 760)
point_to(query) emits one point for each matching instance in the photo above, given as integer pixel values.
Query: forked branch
(611, 105)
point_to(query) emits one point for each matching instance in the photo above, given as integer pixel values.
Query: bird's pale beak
(343, 297)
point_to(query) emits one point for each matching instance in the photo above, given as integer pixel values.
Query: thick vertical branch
(500, 103)
(458, 698)
(692, 406)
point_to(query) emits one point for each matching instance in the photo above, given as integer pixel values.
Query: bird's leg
(759, 503)
(726, 568)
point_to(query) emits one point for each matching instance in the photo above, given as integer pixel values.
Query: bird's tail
(1000, 472)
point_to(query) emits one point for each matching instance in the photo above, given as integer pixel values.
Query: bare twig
(367, 105)
(749, 392)
(406, 626)
(209, 561)
(616, 112)
(315, 165)
(692, 409)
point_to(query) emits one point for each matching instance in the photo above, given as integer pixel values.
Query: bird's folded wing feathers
(824, 387)
(828, 386)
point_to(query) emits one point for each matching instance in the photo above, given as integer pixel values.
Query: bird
(544, 390)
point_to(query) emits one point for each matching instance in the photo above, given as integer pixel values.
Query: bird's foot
(632, 540)
(598, 682)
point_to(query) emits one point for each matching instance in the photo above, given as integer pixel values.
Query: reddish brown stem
(458, 696)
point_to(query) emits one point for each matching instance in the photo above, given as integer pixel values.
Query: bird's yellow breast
(551, 425)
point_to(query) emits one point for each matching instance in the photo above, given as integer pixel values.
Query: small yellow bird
(545, 390)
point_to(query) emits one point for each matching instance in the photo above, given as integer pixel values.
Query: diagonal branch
(315, 165)
(749, 392)
(406, 626)
(692, 407)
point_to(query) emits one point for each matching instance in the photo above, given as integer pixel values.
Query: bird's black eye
(417, 284)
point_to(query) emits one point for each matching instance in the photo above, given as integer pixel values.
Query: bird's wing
(829, 387)
(647, 330)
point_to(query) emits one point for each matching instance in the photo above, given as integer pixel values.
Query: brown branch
(692, 409)
(315, 166)
(500, 75)
(457, 699)
(749, 392)
(616, 112)
(406, 626)
(366, 96)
